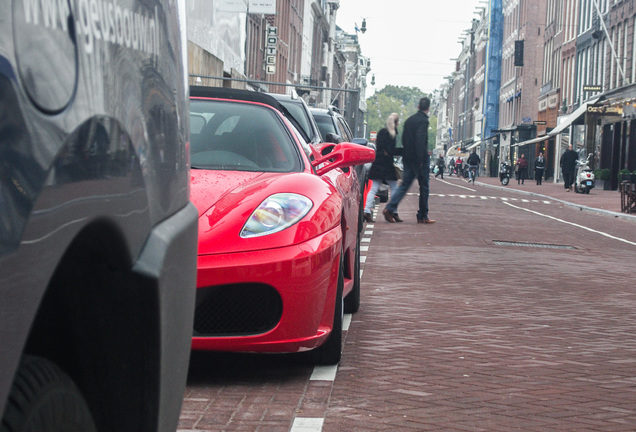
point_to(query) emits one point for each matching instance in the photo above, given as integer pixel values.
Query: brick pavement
(461, 335)
(456, 334)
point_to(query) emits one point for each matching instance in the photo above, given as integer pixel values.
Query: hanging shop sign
(270, 50)
(605, 110)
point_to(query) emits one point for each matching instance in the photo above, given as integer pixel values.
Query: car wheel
(330, 352)
(44, 398)
(352, 300)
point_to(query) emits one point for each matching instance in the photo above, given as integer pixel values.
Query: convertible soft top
(245, 95)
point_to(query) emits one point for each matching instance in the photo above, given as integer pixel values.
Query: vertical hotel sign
(270, 50)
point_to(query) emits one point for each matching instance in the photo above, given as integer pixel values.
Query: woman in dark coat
(382, 168)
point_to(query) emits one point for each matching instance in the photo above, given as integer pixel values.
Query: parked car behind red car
(278, 240)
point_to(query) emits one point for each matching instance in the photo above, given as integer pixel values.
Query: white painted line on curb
(324, 373)
(346, 322)
(307, 424)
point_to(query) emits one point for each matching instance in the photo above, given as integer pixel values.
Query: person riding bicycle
(473, 164)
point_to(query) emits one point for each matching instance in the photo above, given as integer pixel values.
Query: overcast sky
(410, 42)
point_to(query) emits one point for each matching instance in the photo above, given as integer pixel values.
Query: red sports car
(279, 228)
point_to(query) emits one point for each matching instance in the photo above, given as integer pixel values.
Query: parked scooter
(584, 180)
(504, 173)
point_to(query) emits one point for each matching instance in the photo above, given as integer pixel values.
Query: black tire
(44, 398)
(352, 300)
(505, 181)
(330, 352)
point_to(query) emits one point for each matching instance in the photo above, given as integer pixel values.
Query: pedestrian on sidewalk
(568, 166)
(521, 169)
(382, 169)
(416, 160)
(441, 165)
(539, 167)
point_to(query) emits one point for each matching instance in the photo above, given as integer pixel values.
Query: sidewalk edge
(625, 216)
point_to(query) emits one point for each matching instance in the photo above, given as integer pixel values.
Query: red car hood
(226, 199)
(208, 187)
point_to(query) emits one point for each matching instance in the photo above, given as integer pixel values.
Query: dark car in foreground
(97, 234)
(278, 262)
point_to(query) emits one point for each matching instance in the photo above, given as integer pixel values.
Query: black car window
(241, 137)
(325, 125)
(344, 127)
(296, 110)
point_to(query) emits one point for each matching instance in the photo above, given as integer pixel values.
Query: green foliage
(623, 174)
(605, 174)
(401, 100)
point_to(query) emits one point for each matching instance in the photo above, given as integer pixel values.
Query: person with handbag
(416, 159)
(383, 169)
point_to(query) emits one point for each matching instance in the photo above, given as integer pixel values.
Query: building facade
(567, 73)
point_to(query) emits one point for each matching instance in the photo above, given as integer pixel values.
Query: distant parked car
(277, 265)
(334, 128)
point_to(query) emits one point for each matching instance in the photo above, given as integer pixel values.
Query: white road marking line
(574, 224)
(365, 239)
(364, 248)
(363, 259)
(324, 373)
(368, 231)
(346, 322)
(307, 424)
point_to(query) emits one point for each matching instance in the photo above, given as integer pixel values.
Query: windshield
(241, 137)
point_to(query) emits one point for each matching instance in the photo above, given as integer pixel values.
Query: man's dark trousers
(410, 173)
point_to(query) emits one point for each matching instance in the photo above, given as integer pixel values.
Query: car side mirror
(333, 138)
(342, 155)
(361, 141)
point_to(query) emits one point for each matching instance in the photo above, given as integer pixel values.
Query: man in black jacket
(416, 162)
(568, 166)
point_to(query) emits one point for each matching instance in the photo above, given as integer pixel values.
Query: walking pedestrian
(416, 160)
(451, 167)
(382, 169)
(522, 169)
(440, 166)
(539, 167)
(568, 165)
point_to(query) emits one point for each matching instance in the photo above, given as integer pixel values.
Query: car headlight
(276, 213)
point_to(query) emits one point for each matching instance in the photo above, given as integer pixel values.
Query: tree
(401, 100)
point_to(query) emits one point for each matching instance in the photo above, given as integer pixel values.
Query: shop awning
(474, 145)
(573, 117)
(532, 141)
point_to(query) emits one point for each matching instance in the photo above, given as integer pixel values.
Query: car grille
(236, 310)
